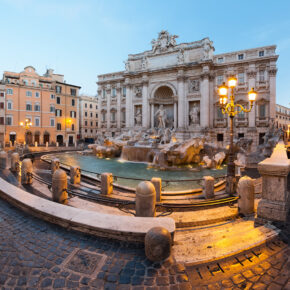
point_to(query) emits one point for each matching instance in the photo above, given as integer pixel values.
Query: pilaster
(204, 102)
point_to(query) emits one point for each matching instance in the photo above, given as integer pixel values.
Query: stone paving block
(266, 279)
(162, 281)
(274, 286)
(214, 286)
(248, 274)
(259, 286)
(227, 283)
(237, 279)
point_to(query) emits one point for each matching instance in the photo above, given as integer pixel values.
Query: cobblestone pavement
(35, 254)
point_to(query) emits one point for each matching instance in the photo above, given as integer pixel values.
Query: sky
(84, 38)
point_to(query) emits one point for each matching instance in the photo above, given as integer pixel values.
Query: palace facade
(182, 79)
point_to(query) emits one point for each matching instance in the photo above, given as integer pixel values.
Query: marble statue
(144, 63)
(161, 117)
(163, 42)
(127, 65)
(194, 115)
(138, 117)
(207, 49)
(194, 86)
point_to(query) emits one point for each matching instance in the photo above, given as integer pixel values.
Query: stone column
(204, 101)
(175, 114)
(128, 104)
(99, 110)
(118, 106)
(252, 84)
(108, 95)
(152, 115)
(181, 103)
(145, 104)
(272, 83)
(274, 204)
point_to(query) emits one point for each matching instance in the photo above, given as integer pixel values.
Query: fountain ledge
(126, 228)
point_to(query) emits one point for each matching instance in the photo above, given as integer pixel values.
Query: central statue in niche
(161, 117)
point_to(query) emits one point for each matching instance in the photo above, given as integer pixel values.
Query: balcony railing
(220, 123)
(241, 122)
(262, 121)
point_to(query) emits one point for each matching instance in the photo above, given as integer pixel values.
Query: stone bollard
(57, 144)
(46, 144)
(76, 144)
(54, 165)
(208, 187)
(246, 194)
(3, 160)
(145, 199)
(106, 183)
(274, 205)
(158, 244)
(26, 171)
(75, 175)
(14, 160)
(157, 182)
(35, 144)
(59, 186)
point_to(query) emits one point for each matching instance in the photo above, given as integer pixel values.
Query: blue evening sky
(84, 38)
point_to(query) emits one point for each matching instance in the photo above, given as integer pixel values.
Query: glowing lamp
(252, 95)
(223, 90)
(223, 100)
(232, 82)
(21, 123)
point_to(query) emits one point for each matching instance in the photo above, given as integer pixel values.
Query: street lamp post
(229, 107)
(26, 125)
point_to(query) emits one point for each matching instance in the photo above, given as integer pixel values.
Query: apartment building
(31, 104)
(2, 114)
(88, 121)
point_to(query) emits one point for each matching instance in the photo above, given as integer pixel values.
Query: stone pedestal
(274, 204)
(208, 187)
(106, 183)
(14, 160)
(59, 186)
(75, 175)
(145, 199)
(246, 194)
(157, 182)
(3, 159)
(26, 171)
(54, 165)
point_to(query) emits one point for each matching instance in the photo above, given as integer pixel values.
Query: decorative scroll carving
(193, 86)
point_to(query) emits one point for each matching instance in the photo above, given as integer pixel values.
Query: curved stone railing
(126, 228)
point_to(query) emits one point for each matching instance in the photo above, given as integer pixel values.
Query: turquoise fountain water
(127, 169)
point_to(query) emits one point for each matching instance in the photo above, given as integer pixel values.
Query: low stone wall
(124, 228)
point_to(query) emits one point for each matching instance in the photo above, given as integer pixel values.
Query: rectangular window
(104, 117)
(1, 120)
(91, 115)
(241, 135)
(36, 94)
(220, 79)
(73, 102)
(261, 138)
(114, 92)
(36, 121)
(28, 107)
(58, 113)
(52, 96)
(91, 106)
(58, 89)
(220, 137)
(37, 107)
(261, 76)
(9, 105)
(96, 124)
(220, 60)
(52, 122)
(240, 56)
(73, 92)
(9, 120)
(58, 100)
(113, 116)
(96, 107)
(96, 115)
(86, 105)
(262, 111)
(52, 109)
(9, 92)
(86, 123)
(220, 114)
(91, 124)
(28, 94)
(241, 78)
(2, 94)
(261, 53)
(58, 126)
(1, 105)
(86, 114)
(124, 91)
(72, 127)
(104, 93)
